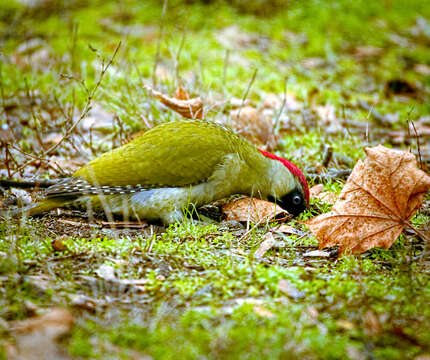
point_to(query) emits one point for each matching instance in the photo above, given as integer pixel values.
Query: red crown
(294, 170)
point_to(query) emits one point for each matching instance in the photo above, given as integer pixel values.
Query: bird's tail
(33, 209)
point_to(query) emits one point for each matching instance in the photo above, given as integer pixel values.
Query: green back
(174, 154)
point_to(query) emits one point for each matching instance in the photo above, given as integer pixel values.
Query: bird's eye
(297, 199)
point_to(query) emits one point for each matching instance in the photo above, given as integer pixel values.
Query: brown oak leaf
(382, 193)
(188, 108)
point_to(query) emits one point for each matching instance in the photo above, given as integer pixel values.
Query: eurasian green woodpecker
(161, 172)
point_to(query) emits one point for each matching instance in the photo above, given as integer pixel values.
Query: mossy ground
(205, 295)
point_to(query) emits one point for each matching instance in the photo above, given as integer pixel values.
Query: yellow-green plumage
(173, 154)
(167, 168)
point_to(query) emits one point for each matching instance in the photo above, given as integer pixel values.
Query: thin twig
(417, 137)
(284, 102)
(418, 232)
(87, 108)
(380, 119)
(247, 91)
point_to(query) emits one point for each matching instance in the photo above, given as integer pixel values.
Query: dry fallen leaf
(316, 192)
(268, 242)
(58, 244)
(181, 94)
(36, 337)
(316, 253)
(251, 209)
(106, 272)
(372, 324)
(381, 195)
(355, 353)
(83, 302)
(190, 108)
(233, 37)
(362, 52)
(285, 287)
(263, 312)
(422, 357)
(285, 229)
(253, 125)
(328, 118)
(345, 324)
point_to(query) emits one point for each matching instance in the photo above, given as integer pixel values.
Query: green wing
(174, 154)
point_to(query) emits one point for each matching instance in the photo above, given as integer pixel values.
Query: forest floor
(312, 78)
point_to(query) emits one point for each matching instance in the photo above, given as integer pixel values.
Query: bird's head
(292, 196)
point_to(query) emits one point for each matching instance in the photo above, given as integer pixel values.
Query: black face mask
(294, 202)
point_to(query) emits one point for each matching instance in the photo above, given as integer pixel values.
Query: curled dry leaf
(188, 108)
(382, 193)
(254, 210)
(181, 94)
